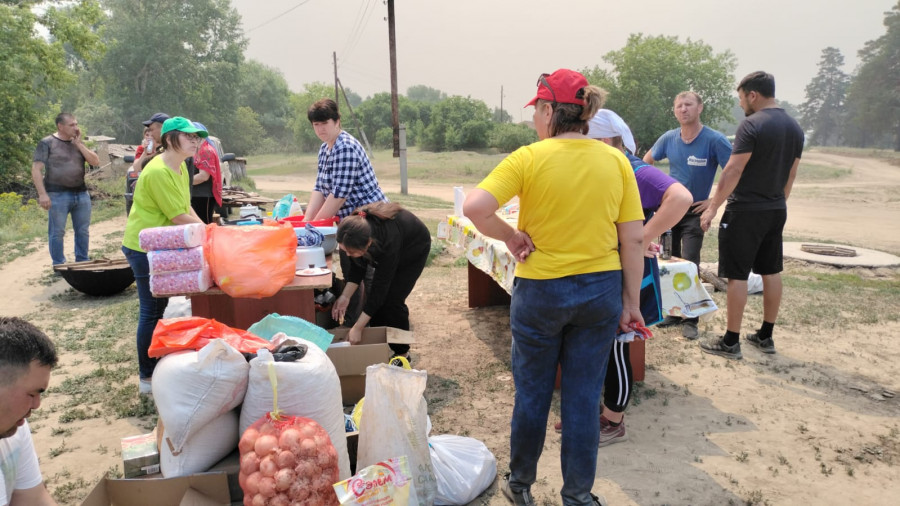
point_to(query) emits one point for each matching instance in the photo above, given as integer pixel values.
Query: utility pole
(395, 106)
(337, 99)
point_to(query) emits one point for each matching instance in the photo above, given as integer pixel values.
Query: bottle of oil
(665, 242)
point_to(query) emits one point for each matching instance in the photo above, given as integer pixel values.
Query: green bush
(507, 137)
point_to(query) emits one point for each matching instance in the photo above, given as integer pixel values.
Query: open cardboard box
(217, 487)
(350, 362)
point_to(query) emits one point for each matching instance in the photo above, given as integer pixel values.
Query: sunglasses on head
(542, 80)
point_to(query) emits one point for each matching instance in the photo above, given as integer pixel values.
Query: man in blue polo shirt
(695, 152)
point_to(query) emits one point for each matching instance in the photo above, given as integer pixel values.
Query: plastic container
(310, 256)
(296, 209)
(297, 221)
(330, 241)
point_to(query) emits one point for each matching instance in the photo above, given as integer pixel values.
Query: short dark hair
(21, 343)
(760, 82)
(170, 140)
(323, 110)
(63, 117)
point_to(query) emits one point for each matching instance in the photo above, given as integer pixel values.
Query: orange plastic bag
(252, 261)
(194, 332)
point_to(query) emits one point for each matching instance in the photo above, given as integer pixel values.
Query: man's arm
(731, 175)
(37, 175)
(34, 496)
(648, 157)
(791, 177)
(90, 157)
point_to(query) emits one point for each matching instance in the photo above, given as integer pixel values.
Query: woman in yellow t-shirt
(162, 197)
(580, 260)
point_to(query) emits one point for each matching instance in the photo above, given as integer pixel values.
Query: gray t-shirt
(63, 164)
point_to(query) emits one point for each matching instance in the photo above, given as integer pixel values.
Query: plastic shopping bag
(252, 261)
(194, 332)
(388, 482)
(293, 327)
(282, 208)
(463, 466)
(394, 422)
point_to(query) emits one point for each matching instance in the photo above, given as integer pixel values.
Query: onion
(286, 459)
(267, 466)
(283, 479)
(289, 439)
(248, 440)
(249, 463)
(253, 484)
(258, 500)
(265, 445)
(267, 486)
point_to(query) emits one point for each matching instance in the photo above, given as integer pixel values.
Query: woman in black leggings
(396, 243)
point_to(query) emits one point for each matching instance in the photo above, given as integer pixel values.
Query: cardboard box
(206, 489)
(217, 487)
(351, 361)
(140, 455)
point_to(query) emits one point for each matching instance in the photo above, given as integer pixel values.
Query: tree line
(115, 62)
(861, 109)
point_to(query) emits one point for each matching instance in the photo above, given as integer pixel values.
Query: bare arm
(631, 254)
(480, 207)
(330, 208)
(37, 175)
(791, 177)
(731, 174)
(187, 218)
(89, 156)
(675, 203)
(648, 157)
(316, 199)
(35, 496)
(200, 177)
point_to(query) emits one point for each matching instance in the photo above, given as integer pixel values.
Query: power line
(278, 16)
(367, 15)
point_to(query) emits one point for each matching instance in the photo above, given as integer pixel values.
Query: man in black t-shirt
(58, 174)
(756, 181)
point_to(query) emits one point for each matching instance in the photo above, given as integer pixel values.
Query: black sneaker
(689, 329)
(717, 346)
(599, 500)
(520, 498)
(669, 321)
(766, 345)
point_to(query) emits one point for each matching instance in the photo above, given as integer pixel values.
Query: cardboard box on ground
(350, 362)
(219, 485)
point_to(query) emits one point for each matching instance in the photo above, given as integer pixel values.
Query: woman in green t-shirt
(162, 197)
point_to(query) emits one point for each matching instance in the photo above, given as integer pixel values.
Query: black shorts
(751, 239)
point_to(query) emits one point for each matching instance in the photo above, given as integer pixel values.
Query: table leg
(484, 291)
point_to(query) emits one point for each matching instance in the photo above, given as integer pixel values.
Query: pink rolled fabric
(180, 283)
(174, 237)
(176, 260)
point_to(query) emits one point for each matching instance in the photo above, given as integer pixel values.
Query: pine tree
(825, 109)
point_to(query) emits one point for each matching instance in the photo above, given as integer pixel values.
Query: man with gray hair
(26, 357)
(695, 152)
(58, 170)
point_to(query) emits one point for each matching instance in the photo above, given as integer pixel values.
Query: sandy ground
(807, 425)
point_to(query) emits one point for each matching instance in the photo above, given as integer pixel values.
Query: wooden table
(491, 270)
(295, 299)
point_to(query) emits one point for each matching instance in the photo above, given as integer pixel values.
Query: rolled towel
(174, 237)
(179, 283)
(176, 260)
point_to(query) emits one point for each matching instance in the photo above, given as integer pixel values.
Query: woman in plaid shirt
(346, 179)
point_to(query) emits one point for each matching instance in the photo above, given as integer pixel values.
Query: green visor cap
(182, 125)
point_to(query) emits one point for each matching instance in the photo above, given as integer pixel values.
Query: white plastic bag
(463, 466)
(192, 388)
(394, 422)
(309, 388)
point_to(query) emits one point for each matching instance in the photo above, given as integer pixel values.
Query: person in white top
(26, 357)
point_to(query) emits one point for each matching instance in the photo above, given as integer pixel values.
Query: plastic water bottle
(665, 241)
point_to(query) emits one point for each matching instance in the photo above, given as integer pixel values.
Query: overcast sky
(472, 48)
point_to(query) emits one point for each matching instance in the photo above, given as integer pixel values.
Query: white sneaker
(145, 386)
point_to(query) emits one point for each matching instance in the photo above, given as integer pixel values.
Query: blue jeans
(572, 322)
(78, 204)
(152, 309)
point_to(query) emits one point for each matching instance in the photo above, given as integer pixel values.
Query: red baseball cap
(562, 86)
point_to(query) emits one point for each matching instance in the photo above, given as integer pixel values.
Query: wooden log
(710, 277)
